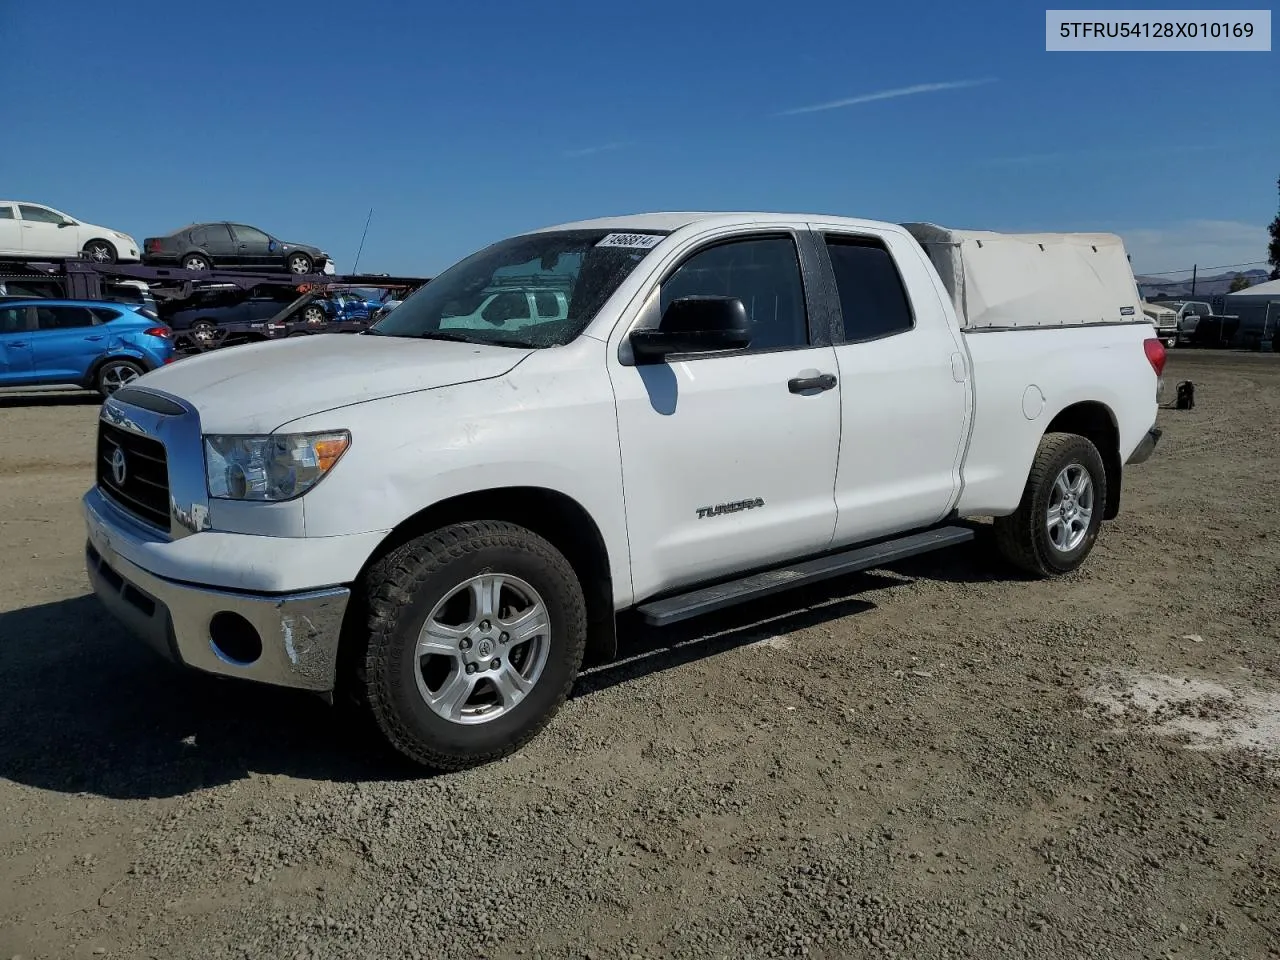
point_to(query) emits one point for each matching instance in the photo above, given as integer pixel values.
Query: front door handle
(19, 343)
(93, 338)
(823, 381)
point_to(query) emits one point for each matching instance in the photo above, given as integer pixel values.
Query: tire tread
(394, 581)
(1016, 535)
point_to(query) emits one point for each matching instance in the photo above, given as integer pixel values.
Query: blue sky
(462, 123)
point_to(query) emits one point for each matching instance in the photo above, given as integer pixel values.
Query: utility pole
(1193, 279)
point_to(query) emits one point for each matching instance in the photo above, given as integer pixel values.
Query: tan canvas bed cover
(1001, 281)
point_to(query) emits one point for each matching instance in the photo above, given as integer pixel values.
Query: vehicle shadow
(50, 399)
(87, 709)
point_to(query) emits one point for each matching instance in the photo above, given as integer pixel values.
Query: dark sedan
(206, 246)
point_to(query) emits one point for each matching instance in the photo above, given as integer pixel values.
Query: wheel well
(91, 378)
(99, 240)
(1095, 422)
(555, 516)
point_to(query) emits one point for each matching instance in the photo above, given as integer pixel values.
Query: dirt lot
(937, 760)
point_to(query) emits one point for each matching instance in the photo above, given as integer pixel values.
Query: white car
(35, 231)
(445, 522)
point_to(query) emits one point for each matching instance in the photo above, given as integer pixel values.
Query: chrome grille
(134, 472)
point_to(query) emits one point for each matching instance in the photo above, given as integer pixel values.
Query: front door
(725, 462)
(905, 388)
(43, 233)
(253, 247)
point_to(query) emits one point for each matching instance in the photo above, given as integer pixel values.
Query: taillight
(158, 332)
(1156, 354)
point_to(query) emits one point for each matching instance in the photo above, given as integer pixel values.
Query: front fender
(551, 424)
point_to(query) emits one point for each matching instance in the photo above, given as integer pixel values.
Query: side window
(6, 212)
(512, 305)
(251, 235)
(873, 300)
(13, 320)
(548, 305)
(763, 273)
(38, 214)
(104, 314)
(199, 237)
(62, 318)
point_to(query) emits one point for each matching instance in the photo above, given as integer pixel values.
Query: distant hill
(1206, 286)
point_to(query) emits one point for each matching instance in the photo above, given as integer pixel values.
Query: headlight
(272, 468)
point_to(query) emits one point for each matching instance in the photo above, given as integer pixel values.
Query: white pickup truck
(445, 518)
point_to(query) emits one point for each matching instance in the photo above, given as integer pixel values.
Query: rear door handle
(823, 381)
(19, 343)
(93, 338)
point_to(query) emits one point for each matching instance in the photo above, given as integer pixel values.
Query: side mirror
(694, 325)
(66, 223)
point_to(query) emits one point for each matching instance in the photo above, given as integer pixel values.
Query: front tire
(476, 635)
(299, 263)
(1057, 522)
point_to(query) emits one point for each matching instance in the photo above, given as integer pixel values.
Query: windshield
(537, 290)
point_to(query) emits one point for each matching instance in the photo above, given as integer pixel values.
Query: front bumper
(298, 632)
(1146, 447)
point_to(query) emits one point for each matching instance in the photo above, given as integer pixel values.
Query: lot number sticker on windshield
(631, 241)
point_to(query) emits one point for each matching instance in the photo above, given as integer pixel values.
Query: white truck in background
(443, 516)
(1164, 320)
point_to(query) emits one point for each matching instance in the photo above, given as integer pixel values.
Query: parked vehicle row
(442, 516)
(35, 231)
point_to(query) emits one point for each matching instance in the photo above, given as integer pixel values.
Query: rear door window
(873, 298)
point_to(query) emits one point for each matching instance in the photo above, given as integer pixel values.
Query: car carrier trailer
(82, 279)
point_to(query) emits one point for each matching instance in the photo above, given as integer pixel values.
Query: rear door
(905, 387)
(216, 240)
(16, 327)
(66, 343)
(10, 231)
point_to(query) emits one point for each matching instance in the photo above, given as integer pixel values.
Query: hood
(255, 388)
(304, 247)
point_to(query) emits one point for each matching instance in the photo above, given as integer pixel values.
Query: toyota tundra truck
(441, 517)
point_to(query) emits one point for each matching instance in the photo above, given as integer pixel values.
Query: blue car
(90, 344)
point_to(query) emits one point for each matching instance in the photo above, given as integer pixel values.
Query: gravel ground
(933, 760)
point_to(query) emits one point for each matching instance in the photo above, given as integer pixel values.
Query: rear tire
(196, 261)
(508, 630)
(1057, 522)
(115, 374)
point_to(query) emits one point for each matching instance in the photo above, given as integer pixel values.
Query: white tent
(1258, 308)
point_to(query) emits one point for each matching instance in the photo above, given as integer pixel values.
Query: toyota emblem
(119, 469)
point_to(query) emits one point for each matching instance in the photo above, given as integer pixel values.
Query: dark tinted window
(13, 319)
(105, 314)
(546, 303)
(6, 212)
(764, 274)
(873, 299)
(250, 234)
(512, 305)
(38, 214)
(63, 318)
